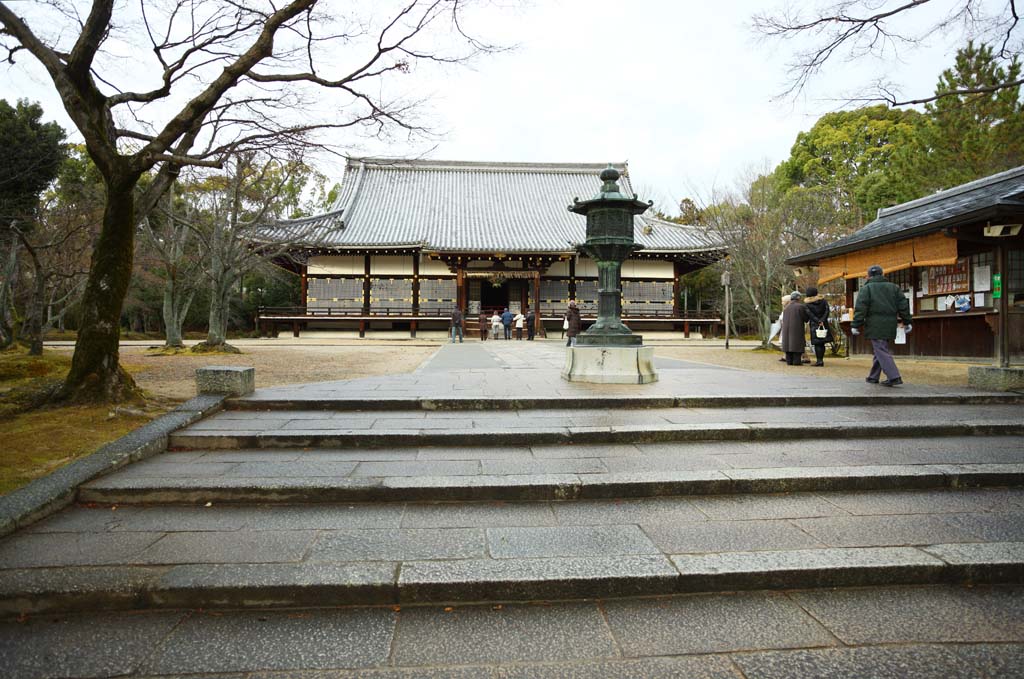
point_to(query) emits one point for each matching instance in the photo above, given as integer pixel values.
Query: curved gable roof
(459, 206)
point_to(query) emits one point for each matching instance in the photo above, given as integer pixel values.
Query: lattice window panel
(647, 298)
(586, 296)
(391, 294)
(554, 296)
(345, 294)
(437, 295)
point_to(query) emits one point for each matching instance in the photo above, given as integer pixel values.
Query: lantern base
(610, 365)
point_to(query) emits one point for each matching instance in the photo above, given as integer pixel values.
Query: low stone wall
(991, 378)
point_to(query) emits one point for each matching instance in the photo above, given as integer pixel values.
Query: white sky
(679, 88)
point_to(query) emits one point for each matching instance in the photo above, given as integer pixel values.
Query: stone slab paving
(408, 552)
(885, 632)
(523, 369)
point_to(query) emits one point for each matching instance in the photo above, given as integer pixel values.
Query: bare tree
(8, 271)
(853, 29)
(218, 76)
(761, 225)
(227, 213)
(168, 235)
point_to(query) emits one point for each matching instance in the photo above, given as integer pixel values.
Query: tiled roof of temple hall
(972, 202)
(457, 206)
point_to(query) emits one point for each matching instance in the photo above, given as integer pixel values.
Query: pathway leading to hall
(483, 477)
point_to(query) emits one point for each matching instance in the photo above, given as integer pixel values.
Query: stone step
(137, 489)
(233, 434)
(297, 401)
(204, 586)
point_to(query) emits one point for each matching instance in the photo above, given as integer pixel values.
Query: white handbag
(821, 332)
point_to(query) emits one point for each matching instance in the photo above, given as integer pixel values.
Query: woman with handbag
(817, 317)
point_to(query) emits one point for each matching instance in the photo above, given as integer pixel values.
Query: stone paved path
(936, 632)
(359, 524)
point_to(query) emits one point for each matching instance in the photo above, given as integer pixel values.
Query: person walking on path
(495, 325)
(520, 321)
(531, 321)
(881, 307)
(572, 324)
(485, 325)
(506, 320)
(817, 319)
(457, 322)
(793, 319)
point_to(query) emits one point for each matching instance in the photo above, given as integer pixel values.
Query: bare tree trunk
(10, 267)
(176, 306)
(219, 311)
(33, 326)
(95, 373)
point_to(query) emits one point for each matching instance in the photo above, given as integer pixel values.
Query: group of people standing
(494, 325)
(881, 312)
(797, 313)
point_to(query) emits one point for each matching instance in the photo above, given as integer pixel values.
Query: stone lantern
(608, 351)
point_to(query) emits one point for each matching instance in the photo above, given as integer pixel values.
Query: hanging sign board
(997, 285)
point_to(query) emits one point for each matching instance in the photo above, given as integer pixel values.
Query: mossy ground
(37, 438)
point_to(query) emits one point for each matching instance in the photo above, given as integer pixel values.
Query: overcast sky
(679, 88)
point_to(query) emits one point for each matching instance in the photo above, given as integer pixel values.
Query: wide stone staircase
(336, 501)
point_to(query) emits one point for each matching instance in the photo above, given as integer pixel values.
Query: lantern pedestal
(608, 352)
(610, 365)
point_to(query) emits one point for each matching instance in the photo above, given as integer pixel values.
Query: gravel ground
(173, 376)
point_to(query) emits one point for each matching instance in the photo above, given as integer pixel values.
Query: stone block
(991, 378)
(610, 365)
(228, 380)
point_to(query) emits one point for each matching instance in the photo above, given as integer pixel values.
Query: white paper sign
(979, 299)
(940, 303)
(910, 300)
(901, 335)
(982, 279)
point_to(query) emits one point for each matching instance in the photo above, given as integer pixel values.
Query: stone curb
(301, 585)
(585, 402)
(214, 439)
(547, 487)
(54, 491)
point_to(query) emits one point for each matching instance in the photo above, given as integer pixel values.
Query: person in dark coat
(817, 317)
(531, 320)
(881, 307)
(793, 319)
(572, 315)
(457, 325)
(506, 320)
(485, 325)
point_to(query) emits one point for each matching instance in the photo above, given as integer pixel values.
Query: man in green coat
(881, 306)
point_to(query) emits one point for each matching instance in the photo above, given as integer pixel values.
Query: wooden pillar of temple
(415, 292)
(305, 288)
(538, 325)
(572, 278)
(366, 294)
(677, 274)
(460, 286)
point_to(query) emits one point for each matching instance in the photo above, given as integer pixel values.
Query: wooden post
(572, 278)
(305, 288)
(676, 267)
(538, 326)
(686, 329)
(460, 286)
(366, 294)
(1001, 259)
(415, 292)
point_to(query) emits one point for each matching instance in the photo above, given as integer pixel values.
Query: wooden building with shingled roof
(408, 241)
(958, 255)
